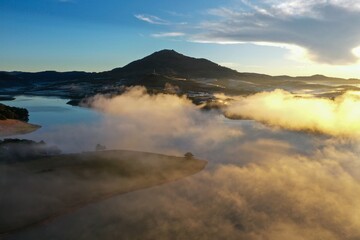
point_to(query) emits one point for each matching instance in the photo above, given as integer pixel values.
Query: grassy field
(35, 192)
(11, 127)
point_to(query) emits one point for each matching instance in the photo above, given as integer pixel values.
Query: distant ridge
(9, 79)
(165, 63)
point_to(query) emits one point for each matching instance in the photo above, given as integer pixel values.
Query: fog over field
(294, 177)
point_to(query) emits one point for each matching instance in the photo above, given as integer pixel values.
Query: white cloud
(151, 19)
(301, 7)
(326, 31)
(168, 34)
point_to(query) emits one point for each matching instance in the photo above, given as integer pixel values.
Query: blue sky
(269, 36)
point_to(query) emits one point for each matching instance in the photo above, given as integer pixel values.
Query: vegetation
(17, 150)
(13, 121)
(7, 112)
(189, 155)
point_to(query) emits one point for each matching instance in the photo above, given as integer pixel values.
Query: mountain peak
(171, 63)
(168, 54)
(166, 51)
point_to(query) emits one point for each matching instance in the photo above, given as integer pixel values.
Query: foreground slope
(35, 192)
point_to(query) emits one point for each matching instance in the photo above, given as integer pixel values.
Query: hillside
(172, 63)
(62, 184)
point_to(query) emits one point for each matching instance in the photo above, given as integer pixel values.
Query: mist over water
(262, 181)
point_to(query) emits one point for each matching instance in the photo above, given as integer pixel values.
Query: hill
(58, 185)
(174, 64)
(167, 63)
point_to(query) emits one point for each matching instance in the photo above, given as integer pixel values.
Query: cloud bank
(338, 117)
(278, 199)
(326, 30)
(323, 31)
(161, 121)
(137, 120)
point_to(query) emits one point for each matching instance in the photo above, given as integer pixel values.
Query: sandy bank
(11, 127)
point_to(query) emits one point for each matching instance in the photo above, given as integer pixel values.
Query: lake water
(49, 112)
(59, 122)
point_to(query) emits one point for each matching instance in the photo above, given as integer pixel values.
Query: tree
(100, 147)
(189, 155)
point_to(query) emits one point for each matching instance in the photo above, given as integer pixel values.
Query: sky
(288, 37)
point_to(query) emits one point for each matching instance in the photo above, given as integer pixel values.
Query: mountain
(157, 71)
(166, 63)
(173, 64)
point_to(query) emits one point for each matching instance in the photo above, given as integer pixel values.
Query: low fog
(337, 117)
(262, 181)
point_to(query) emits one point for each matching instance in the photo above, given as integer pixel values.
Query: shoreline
(6, 98)
(11, 127)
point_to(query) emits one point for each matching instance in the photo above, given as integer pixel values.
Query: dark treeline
(15, 150)
(7, 112)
